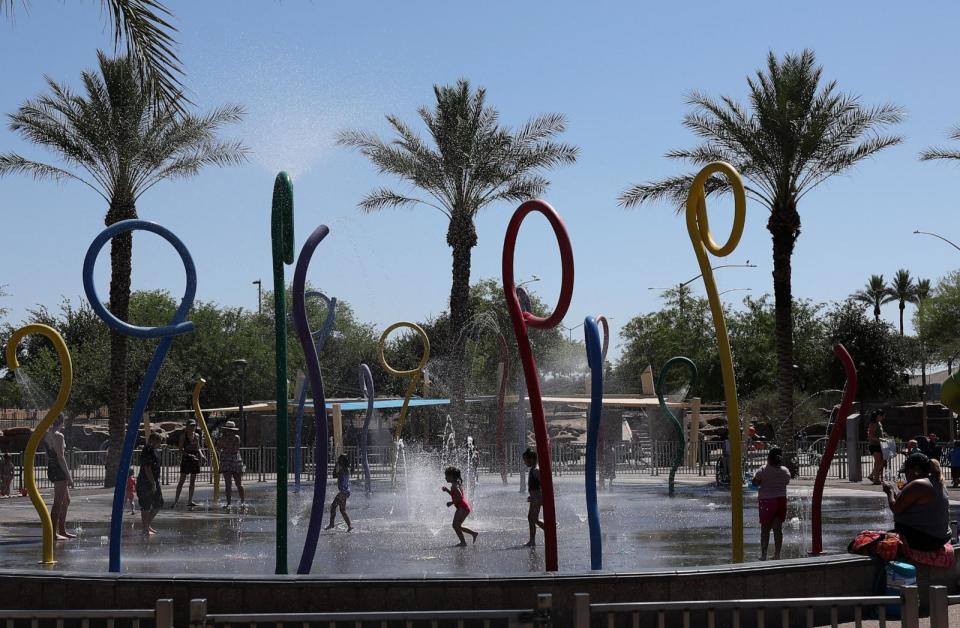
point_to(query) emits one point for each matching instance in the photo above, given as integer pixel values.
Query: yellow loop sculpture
(214, 458)
(703, 243)
(66, 382)
(414, 374)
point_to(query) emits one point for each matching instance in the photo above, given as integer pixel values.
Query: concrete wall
(825, 576)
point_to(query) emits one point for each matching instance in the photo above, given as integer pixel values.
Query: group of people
(144, 489)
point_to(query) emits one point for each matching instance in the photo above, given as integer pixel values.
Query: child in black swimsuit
(535, 497)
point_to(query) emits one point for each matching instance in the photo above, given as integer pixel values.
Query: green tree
(144, 25)
(938, 321)
(470, 162)
(901, 290)
(118, 140)
(797, 133)
(874, 293)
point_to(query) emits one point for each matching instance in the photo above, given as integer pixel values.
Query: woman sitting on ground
(921, 510)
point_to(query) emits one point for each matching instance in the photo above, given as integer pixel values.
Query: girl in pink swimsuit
(452, 475)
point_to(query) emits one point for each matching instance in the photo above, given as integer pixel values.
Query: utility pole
(259, 285)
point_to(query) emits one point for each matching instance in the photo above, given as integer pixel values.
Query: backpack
(884, 545)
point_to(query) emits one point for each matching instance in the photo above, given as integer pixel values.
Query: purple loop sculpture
(302, 326)
(366, 382)
(178, 325)
(319, 340)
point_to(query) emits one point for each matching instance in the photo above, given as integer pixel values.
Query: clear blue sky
(618, 71)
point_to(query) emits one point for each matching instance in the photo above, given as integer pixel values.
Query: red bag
(885, 545)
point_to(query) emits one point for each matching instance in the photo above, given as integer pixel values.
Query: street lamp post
(259, 285)
(936, 235)
(683, 285)
(241, 366)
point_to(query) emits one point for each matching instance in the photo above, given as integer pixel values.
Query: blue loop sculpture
(315, 378)
(591, 333)
(319, 340)
(178, 325)
(366, 383)
(661, 381)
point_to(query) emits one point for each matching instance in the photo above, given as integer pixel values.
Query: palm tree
(472, 162)
(903, 290)
(943, 153)
(144, 26)
(796, 133)
(119, 140)
(921, 291)
(873, 294)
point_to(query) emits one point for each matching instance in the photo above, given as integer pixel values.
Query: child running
(772, 497)
(535, 496)
(452, 475)
(131, 489)
(343, 491)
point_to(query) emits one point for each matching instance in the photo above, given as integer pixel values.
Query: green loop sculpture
(281, 233)
(674, 420)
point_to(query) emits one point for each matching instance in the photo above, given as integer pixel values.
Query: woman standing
(148, 484)
(231, 463)
(875, 445)
(190, 459)
(58, 472)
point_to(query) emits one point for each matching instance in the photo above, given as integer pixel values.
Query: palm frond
(11, 163)
(143, 25)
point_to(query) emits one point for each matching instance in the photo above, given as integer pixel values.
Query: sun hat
(230, 425)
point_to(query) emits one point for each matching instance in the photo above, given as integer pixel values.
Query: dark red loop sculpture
(839, 428)
(521, 322)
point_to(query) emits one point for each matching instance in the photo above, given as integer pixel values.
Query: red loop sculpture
(521, 322)
(839, 428)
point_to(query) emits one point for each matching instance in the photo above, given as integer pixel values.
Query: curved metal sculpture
(366, 383)
(281, 235)
(178, 325)
(315, 378)
(698, 229)
(214, 458)
(521, 322)
(667, 412)
(591, 336)
(501, 397)
(414, 374)
(30, 453)
(836, 433)
(319, 340)
(601, 320)
(601, 438)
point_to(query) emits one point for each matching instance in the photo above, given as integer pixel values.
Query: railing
(784, 607)
(540, 617)
(940, 604)
(161, 616)
(628, 459)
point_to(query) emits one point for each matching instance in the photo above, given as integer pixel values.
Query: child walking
(535, 496)
(343, 491)
(452, 475)
(131, 489)
(772, 497)
(955, 464)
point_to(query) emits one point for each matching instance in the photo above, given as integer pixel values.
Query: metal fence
(627, 459)
(161, 616)
(511, 618)
(768, 612)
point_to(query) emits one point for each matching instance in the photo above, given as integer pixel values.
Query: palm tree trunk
(902, 306)
(461, 237)
(121, 258)
(876, 310)
(784, 226)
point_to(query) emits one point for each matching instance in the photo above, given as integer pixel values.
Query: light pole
(683, 285)
(241, 366)
(259, 285)
(936, 235)
(735, 290)
(570, 330)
